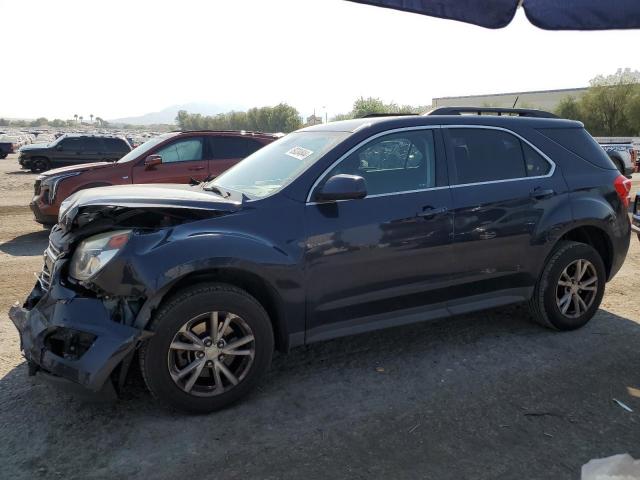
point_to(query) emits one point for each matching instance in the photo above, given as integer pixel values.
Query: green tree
(569, 107)
(4, 122)
(606, 103)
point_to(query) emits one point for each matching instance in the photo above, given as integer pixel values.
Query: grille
(51, 254)
(36, 187)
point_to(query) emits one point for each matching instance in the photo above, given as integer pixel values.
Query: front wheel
(570, 288)
(39, 165)
(212, 344)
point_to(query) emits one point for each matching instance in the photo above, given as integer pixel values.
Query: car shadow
(405, 402)
(29, 244)
(21, 172)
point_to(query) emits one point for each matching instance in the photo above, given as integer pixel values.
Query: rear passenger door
(502, 188)
(226, 152)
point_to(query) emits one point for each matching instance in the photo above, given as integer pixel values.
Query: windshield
(145, 147)
(276, 165)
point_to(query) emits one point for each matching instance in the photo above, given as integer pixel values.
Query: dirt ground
(484, 396)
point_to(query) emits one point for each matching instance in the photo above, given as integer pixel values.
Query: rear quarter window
(578, 141)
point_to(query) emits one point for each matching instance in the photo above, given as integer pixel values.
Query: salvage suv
(72, 149)
(176, 157)
(333, 230)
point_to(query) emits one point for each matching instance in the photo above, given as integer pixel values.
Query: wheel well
(253, 285)
(595, 237)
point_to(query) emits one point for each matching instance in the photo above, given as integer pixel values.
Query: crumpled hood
(76, 168)
(151, 196)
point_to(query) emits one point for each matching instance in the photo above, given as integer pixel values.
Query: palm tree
(99, 120)
(76, 117)
(91, 115)
(81, 117)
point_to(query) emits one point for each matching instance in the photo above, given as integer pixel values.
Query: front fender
(159, 261)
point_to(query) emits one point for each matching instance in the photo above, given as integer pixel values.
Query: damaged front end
(70, 335)
(85, 330)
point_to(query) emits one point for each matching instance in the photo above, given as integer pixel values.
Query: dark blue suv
(332, 230)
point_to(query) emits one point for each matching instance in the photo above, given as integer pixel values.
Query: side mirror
(342, 187)
(152, 161)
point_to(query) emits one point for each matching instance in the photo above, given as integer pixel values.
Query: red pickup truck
(176, 157)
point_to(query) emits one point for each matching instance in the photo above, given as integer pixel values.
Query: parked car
(72, 149)
(332, 230)
(8, 145)
(176, 157)
(622, 152)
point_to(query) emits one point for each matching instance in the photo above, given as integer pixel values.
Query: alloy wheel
(211, 353)
(577, 288)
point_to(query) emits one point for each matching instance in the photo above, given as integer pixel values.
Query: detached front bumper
(72, 337)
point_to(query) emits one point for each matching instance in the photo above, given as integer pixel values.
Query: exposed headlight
(52, 182)
(95, 252)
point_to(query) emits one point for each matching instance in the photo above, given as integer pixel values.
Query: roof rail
(519, 112)
(374, 115)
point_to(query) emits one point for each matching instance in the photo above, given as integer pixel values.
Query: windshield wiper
(222, 193)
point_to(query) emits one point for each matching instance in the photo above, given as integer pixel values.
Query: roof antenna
(514, 103)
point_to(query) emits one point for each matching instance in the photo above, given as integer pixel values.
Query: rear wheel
(39, 165)
(212, 344)
(570, 288)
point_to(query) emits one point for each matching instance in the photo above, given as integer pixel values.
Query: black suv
(333, 230)
(71, 149)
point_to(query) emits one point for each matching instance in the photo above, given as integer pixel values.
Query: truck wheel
(39, 165)
(570, 288)
(212, 344)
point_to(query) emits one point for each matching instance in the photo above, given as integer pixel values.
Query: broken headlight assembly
(93, 253)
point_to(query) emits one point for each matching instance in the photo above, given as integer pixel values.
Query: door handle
(196, 168)
(430, 212)
(542, 193)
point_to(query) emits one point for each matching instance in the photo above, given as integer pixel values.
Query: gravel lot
(484, 396)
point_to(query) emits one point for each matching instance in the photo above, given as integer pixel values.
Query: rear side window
(182, 151)
(115, 145)
(578, 141)
(486, 155)
(229, 147)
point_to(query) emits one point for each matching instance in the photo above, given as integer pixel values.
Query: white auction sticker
(299, 153)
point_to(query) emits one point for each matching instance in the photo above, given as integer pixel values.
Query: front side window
(74, 144)
(182, 151)
(397, 162)
(485, 155)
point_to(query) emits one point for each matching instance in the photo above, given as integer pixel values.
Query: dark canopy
(547, 14)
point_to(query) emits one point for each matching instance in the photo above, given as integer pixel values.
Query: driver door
(182, 160)
(385, 259)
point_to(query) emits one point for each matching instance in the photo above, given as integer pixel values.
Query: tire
(39, 165)
(3, 156)
(193, 306)
(548, 300)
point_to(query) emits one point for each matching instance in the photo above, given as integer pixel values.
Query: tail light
(623, 188)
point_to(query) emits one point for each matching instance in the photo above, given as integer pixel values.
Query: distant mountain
(168, 115)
